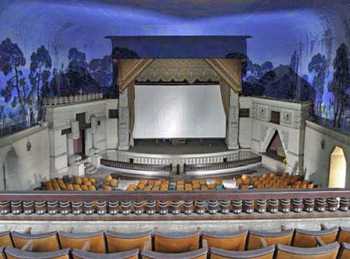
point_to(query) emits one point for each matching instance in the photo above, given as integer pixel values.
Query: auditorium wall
(258, 130)
(319, 144)
(61, 117)
(24, 159)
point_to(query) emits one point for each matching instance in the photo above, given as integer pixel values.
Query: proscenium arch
(337, 168)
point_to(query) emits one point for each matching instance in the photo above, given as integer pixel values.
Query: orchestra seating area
(326, 243)
(115, 183)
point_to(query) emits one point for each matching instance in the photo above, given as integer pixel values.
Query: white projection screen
(179, 111)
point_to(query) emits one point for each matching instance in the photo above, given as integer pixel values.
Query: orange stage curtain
(225, 96)
(131, 103)
(229, 70)
(129, 69)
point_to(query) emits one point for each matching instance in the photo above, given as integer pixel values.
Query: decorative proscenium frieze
(176, 204)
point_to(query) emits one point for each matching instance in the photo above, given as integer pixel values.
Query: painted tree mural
(15, 91)
(40, 71)
(318, 67)
(76, 78)
(340, 85)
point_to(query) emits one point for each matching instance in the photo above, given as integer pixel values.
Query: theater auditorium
(175, 129)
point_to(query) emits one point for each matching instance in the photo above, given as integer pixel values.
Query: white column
(123, 122)
(232, 131)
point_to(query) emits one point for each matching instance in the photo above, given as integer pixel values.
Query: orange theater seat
(344, 251)
(92, 242)
(79, 254)
(262, 253)
(45, 242)
(5, 239)
(15, 253)
(309, 238)
(228, 241)
(176, 242)
(344, 235)
(258, 239)
(2, 253)
(329, 251)
(198, 254)
(118, 242)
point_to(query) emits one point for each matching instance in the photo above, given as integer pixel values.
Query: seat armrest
(204, 243)
(263, 241)
(148, 245)
(28, 246)
(319, 241)
(86, 246)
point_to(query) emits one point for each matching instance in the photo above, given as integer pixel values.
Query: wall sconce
(322, 144)
(29, 146)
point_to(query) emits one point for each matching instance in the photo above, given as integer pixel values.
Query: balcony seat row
(327, 243)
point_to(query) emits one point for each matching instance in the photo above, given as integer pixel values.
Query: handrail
(222, 165)
(174, 195)
(229, 203)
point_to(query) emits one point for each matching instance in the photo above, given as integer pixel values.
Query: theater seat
(80, 254)
(344, 252)
(5, 239)
(44, 242)
(344, 235)
(262, 253)
(92, 242)
(329, 251)
(228, 241)
(197, 254)
(259, 239)
(176, 242)
(2, 253)
(118, 242)
(308, 238)
(15, 253)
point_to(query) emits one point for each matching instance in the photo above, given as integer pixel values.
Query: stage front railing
(155, 205)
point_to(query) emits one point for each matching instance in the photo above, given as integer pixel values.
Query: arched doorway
(11, 178)
(337, 169)
(275, 148)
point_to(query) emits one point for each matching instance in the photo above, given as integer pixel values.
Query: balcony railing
(64, 100)
(171, 205)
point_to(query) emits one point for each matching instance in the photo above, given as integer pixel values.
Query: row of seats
(273, 180)
(285, 244)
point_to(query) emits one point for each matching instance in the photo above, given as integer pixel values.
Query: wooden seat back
(43, 242)
(257, 238)
(228, 241)
(176, 242)
(5, 239)
(92, 242)
(329, 251)
(261, 253)
(197, 254)
(344, 252)
(308, 238)
(344, 235)
(80, 254)
(118, 242)
(15, 253)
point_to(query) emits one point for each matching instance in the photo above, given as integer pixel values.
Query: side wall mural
(58, 48)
